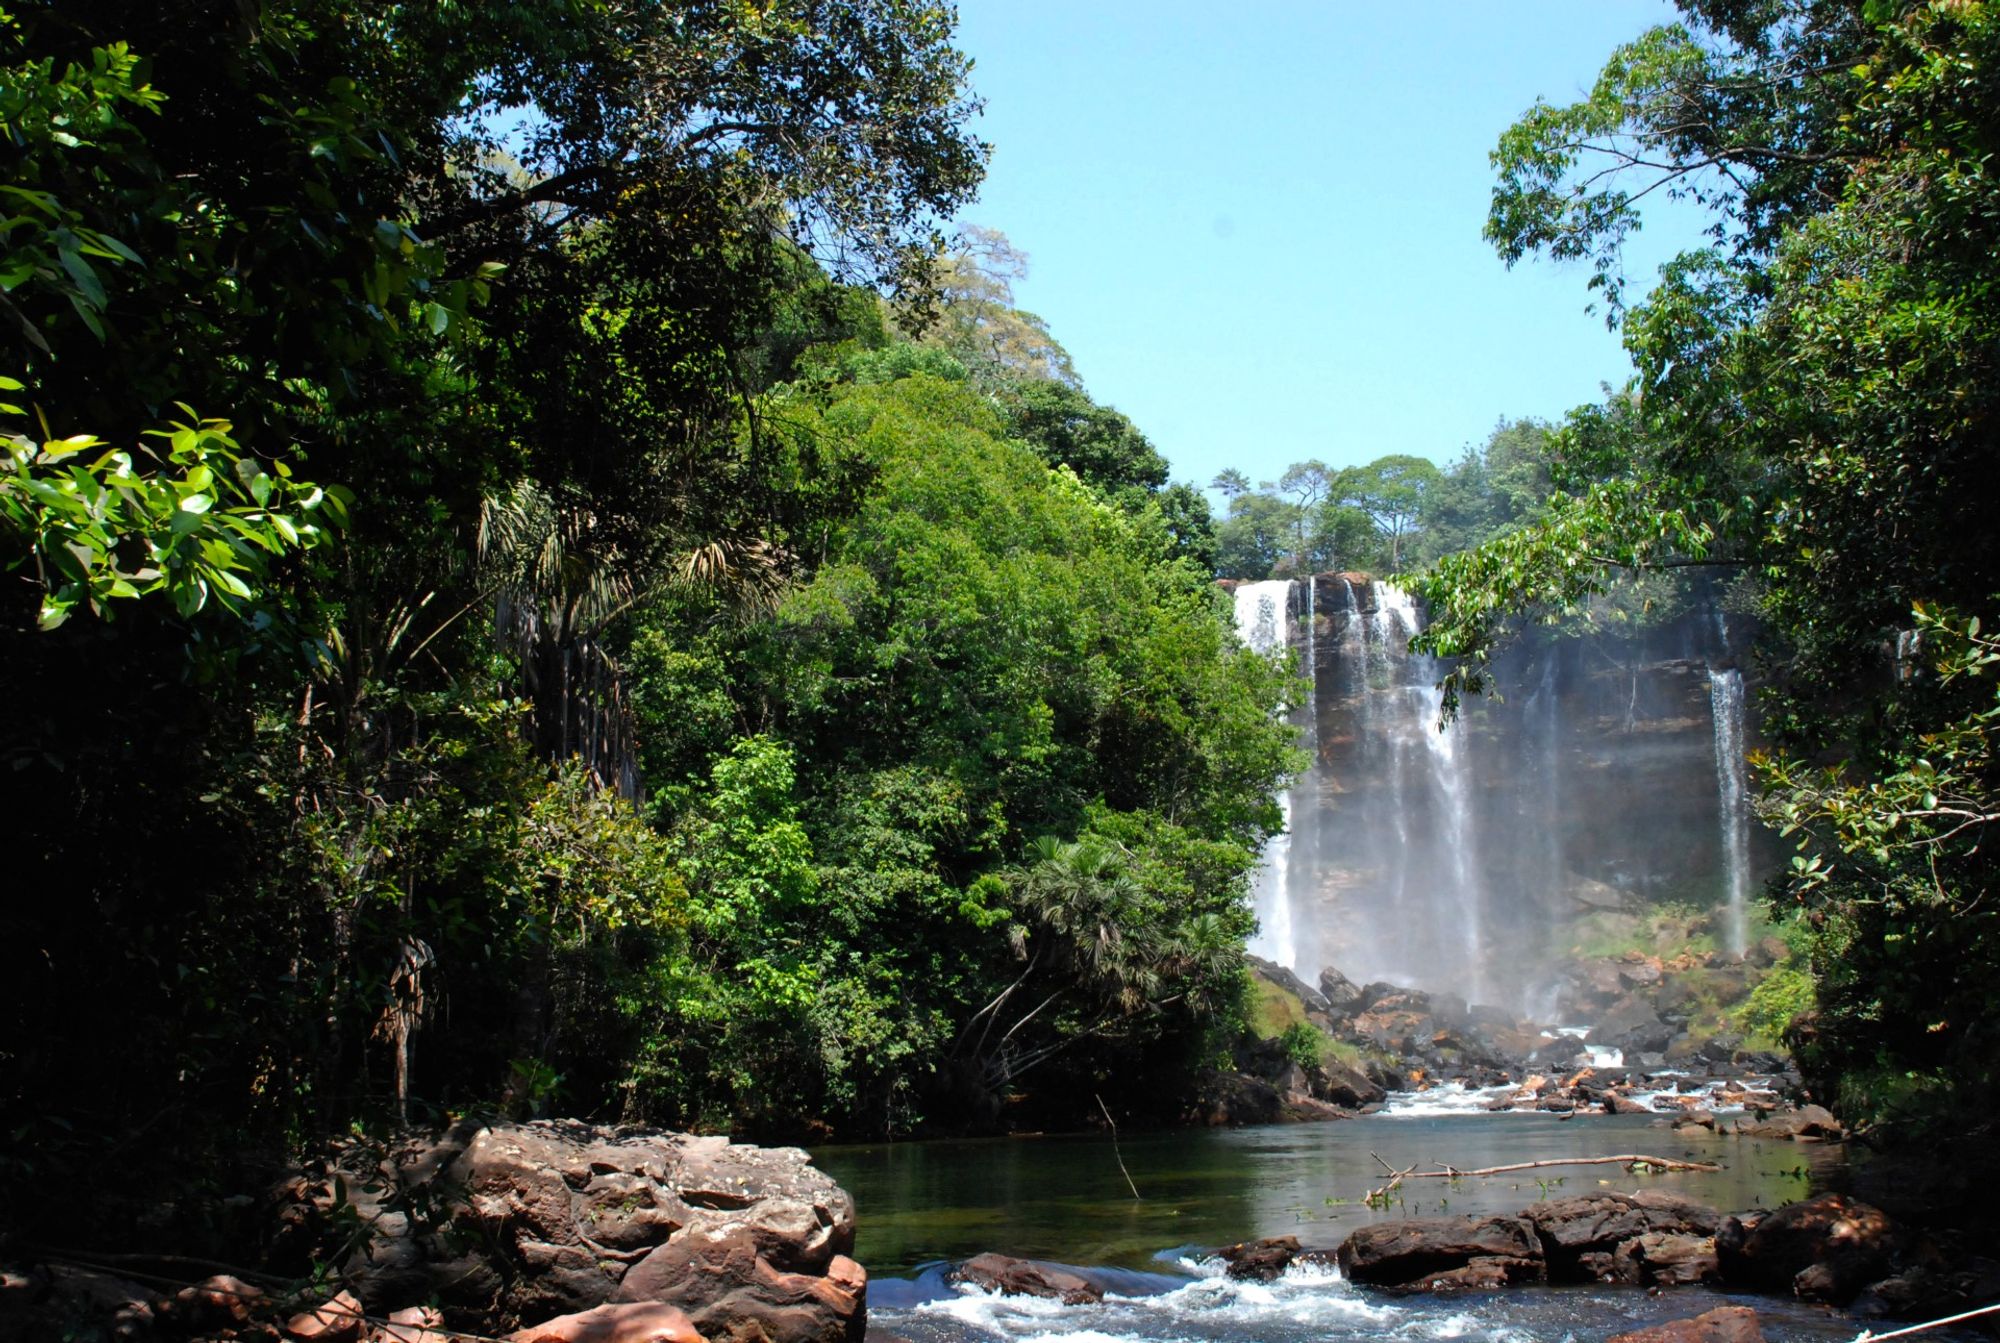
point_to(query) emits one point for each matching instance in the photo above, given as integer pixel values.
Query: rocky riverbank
(549, 1232)
(1831, 1250)
(1637, 1040)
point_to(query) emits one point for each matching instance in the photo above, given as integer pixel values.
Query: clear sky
(1255, 226)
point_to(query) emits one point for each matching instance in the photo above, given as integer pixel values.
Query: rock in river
(1824, 1249)
(1024, 1277)
(1727, 1324)
(1423, 1250)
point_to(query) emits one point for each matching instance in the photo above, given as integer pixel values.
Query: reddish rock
(1824, 1249)
(630, 1322)
(1024, 1277)
(1727, 1324)
(723, 1281)
(555, 1218)
(1409, 1253)
(337, 1320)
(221, 1300)
(417, 1324)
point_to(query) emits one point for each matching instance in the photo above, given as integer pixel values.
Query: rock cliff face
(1605, 779)
(516, 1225)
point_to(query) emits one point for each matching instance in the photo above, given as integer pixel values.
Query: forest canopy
(544, 582)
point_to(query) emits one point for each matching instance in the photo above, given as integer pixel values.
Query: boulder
(1824, 1249)
(1665, 1259)
(1233, 1099)
(1580, 1236)
(1349, 1087)
(530, 1223)
(1807, 1123)
(1721, 1048)
(1260, 1260)
(1312, 998)
(1343, 996)
(631, 1322)
(1025, 1277)
(1398, 1022)
(1562, 1053)
(1630, 1024)
(1411, 1252)
(725, 1282)
(1726, 1324)
(1640, 972)
(1450, 1011)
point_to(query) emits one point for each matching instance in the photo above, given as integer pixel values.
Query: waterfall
(1475, 861)
(1456, 902)
(1263, 623)
(1725, 694)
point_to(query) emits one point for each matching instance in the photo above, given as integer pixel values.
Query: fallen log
(1444, 1172)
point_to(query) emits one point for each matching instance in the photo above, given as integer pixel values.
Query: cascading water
(1454, 901)
(1474, 861)
(1725, 691)
(1263, 622)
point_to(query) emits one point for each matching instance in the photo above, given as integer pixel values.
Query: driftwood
(1866, 1336)
(1114, 1149)
(1445, 1172)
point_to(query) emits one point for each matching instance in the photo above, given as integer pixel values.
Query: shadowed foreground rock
(1824, 1249)
(1727, 1324)
(529, 1225)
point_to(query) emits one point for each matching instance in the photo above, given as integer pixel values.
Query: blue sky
(1256, 226)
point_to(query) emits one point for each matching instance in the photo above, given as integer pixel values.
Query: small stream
(1064, 1199)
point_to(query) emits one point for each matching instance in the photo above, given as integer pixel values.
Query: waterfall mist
(1609, 776)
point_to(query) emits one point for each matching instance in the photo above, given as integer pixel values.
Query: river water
(1066, 1200)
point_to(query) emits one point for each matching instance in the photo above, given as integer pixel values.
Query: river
(1066, 1199)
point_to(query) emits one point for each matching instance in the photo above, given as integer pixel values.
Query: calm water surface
(1065, 1199)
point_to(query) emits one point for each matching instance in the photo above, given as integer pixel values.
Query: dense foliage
(1814, 411)
(529, 582)
(1392, 515)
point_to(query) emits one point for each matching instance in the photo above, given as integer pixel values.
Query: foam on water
(1447, 1098)
(1719, 1096)
(1309, 1301)
(1312, 1302)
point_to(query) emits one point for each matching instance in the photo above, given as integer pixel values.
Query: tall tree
(1816, 406)
(1394, 492)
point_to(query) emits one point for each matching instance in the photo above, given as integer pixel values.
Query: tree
(1255, 536)
(1815, 406)
(978, 322)
(1069, 429)
(333, 231)
(1393, 491)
